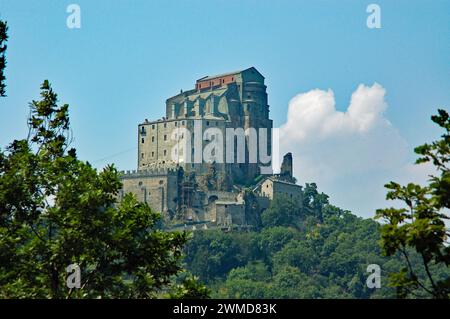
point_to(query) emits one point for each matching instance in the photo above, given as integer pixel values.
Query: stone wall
(272, 189)
(229, 213)
(157, 187)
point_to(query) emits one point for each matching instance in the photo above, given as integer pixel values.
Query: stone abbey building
(207, 163)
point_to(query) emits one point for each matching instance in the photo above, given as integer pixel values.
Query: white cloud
(351, 154)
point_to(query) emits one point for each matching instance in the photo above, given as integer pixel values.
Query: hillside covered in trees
(302, 250)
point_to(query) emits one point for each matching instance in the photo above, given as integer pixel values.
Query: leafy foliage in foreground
(421, 224)
(56, 210)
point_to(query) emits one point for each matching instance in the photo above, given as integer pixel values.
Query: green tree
(273, 239)
(189, 288)
(420, 225)
(290, 282)
(248, 282)
(300, 254)
(211, 255)
(3, 46)
(56, 210)
(283, 211)
(314, 202)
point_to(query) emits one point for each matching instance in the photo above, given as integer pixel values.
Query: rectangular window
(153, 138)
(142, 155)
(176, 124)
(165, 152)
(142, 140)
(165, 137)
(165, 125)
(153, 126)
(153, 154)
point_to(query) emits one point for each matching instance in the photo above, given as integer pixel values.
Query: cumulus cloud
(351, 154)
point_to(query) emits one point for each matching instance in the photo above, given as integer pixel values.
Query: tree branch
(411, 271)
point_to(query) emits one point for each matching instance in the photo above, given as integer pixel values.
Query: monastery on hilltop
(207, 163)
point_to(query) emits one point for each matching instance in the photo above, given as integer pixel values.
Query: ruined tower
(286, 172)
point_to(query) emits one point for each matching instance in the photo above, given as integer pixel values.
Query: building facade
(236, 101)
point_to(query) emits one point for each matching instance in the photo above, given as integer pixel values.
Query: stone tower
(286, 172)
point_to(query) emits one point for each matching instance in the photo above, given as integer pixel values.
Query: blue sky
(129, 56)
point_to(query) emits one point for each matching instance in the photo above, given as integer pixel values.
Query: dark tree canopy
(56, 210)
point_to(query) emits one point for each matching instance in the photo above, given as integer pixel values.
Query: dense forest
(302, 250)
